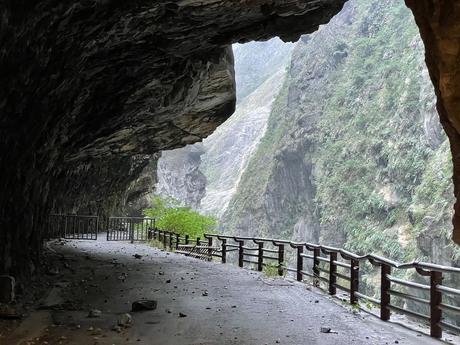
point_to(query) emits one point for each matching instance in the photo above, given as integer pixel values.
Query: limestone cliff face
(232, 145)
(260, 70)
(87, 85)
(179, 175)
(255, 62)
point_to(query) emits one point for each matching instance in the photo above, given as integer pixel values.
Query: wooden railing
(336, 269)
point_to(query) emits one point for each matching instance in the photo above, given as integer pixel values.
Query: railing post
(280, 259)
(332, 272)
(224, 250)
(299, 263)
(385, 297)
(260, 257)
(316, 262)
(210, 248)
(131, 230)
(435, 301)
(171, 240)
(177, 241)
(187, 240)
(354, 280)
(164, 239)
(65, 226)
(240, 253)
(198, 241)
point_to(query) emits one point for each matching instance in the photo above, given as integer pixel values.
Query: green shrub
(170, 216)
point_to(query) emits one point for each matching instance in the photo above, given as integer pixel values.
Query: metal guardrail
(129, 228)
(325, 263)
(72, 226)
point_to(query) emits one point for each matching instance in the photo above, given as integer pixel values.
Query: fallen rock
(326, 330)
(125, 320)
(94, 313)
(143, 305)
(182, 315)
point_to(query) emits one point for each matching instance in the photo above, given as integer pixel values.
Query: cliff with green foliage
(353, 154)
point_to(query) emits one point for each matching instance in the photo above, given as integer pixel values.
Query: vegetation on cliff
(359, 108)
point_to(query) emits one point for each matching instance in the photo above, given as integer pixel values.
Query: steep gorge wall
(438, 22)
(260, 68)
(354, 155)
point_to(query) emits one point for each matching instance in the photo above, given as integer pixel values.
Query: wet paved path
(240, 306)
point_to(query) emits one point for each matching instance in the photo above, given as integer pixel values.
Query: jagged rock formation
(88, 84)
(179, 175)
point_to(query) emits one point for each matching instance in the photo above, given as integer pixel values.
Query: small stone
(125, 320)
(143, 304)
(137, 256)
(325, 330)
(168, 281)
(182, 315)
(161, 273)
(94, 313)
(205, 293)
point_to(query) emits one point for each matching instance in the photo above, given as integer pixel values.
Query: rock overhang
(90, 86)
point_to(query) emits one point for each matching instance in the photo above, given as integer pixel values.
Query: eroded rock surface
(87, 86)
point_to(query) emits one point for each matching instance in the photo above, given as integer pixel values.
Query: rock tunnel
(93, 90)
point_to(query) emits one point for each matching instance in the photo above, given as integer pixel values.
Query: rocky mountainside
(351, 153)
(354, 154)
(215, 166)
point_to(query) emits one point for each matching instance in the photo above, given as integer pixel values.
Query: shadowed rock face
(91, 88)
(439, 23)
